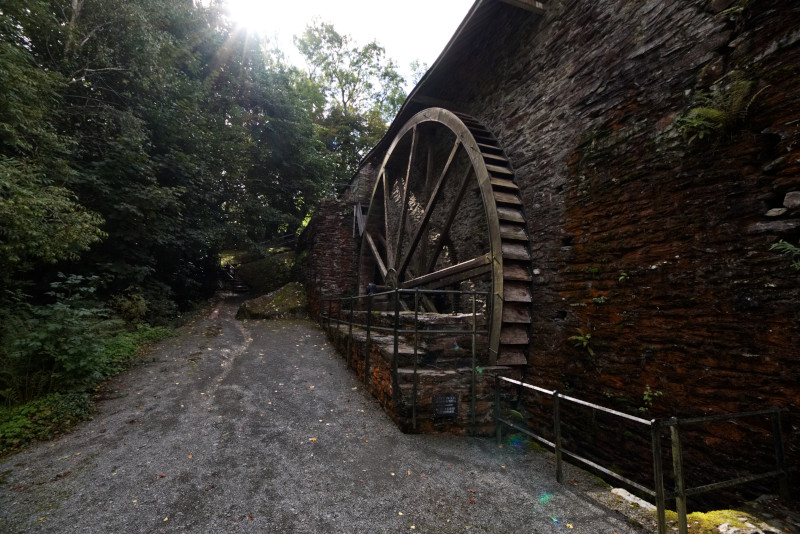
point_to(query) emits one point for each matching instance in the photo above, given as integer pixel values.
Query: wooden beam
(528, 5)
(447, 272)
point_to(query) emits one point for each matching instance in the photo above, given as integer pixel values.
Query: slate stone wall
(657, 147)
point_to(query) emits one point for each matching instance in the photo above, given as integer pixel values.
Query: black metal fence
(359, 312)
(657, 491)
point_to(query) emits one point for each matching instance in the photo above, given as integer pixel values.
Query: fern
(789, 250)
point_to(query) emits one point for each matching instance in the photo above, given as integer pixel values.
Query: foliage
(40, 218)
(720, 110)
(648, 397)
(358, 92)
(138, 138)
(582, 340)
(56, 345)
(41, 419)
(789, 250)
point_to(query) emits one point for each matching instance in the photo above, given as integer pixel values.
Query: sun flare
(252, 15)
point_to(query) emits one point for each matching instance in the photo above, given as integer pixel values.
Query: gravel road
(258, 426)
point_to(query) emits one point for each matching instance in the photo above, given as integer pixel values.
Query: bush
(42, 419)
(56, 346)
(120, 351)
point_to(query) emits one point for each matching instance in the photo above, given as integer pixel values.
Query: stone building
(654, 150)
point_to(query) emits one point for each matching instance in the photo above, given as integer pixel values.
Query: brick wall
(657, 247)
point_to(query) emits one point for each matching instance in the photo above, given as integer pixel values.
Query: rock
(792, 200)
(776, 227)
(776, 212)
(628, 496)
(288, 301)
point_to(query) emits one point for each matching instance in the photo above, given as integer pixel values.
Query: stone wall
(328, 252)
(657, 148)
(651, 229)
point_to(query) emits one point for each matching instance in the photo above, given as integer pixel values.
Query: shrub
(43, 418)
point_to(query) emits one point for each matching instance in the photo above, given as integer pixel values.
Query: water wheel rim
(465, 129)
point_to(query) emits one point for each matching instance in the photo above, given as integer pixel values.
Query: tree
(40, 218)
(361, 90)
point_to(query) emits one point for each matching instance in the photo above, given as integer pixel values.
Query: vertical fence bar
(557, 441)
(780, 460)
(395, 349)
(416, 348)
(677, 469)
(369, 339)
(474, 386)
(350, 331)
(330, 308)
(497, 424)
(658, 476)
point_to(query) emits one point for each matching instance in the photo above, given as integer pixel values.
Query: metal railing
(657, 491)
(331, 312)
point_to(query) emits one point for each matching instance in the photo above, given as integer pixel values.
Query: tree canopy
(358, 92)
(138, 138)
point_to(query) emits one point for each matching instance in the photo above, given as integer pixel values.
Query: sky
(409, 29)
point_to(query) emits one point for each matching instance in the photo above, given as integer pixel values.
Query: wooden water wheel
(445, 213)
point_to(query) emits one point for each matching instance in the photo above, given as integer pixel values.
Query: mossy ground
(709, 522)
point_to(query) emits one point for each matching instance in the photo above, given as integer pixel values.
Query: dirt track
(259, 427)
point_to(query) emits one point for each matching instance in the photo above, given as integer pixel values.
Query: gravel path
(259, 427)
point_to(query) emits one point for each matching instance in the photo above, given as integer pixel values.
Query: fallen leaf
(162, 475)
(471, 500)
(472, 491)
(250, 517)
(189, 457)
(166, 519)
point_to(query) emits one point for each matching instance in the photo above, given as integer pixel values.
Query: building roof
(455, 63)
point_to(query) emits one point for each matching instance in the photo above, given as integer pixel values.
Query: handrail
(656, 425)
(415, 329)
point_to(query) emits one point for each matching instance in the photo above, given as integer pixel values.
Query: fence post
(396, 348)
(338, 316)
(677, 468)
(777, 433)
(497, 424)
(474, 385)
(350, 332)
(369, 344)
(557, 441)
(416, 349)
(658, 476)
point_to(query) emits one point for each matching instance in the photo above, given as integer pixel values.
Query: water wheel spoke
(376, 254)
(456, 273)
(386, 218)
(404, 202)
(426, 216)
(451, 217)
